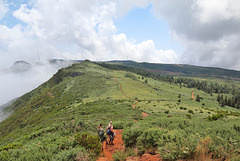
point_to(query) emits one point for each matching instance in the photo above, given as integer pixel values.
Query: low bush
(190, 111)
(188, 116)
(71, 154)
(89, 141)
(130, 136)
(166, 112)
(121, 155)
(215, 117)
(177, 144)
(148, 140)
(10, 146)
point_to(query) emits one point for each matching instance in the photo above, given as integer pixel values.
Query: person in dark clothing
(101, 132)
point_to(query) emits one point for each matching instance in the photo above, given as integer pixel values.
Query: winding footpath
(193, 95)
(108, 150)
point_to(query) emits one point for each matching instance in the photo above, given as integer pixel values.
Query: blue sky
(141, 24)
(9, 20)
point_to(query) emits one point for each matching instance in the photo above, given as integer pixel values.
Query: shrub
(119, 125)
(81, 156)
(10, 146)
(177, 144)
(130, 136)
(215, 117)
(188, 116)
(4, 155)
(121, 155)
(166, 112)
(149, 140)
(190, 111)
(90, 142)
(130, 75)
(72, 154)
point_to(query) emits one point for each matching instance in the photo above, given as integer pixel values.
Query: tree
(146, 81)
(218, 98)
(198, 98)
(179, 96)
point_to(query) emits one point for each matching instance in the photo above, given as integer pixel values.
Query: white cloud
(86, 25)
(209, 30)
(3, 8)
(212, 11)
(16, 84)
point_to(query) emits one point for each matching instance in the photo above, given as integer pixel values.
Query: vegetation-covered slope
(183, 70)
(58, 120)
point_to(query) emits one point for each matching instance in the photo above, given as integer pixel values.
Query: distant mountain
(182, 70)
(19, 67)
(23, 66)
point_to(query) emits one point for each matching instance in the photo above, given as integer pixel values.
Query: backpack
(109, 130)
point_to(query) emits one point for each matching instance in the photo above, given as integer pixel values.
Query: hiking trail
(120, 85)
(108, 150)
(193, 95)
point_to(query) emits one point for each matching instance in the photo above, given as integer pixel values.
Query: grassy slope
(65, 105)
(51, 99)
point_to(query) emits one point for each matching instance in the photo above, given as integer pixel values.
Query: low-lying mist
(23, 77)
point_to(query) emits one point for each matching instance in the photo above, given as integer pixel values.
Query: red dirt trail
(193, 96)
(120, 85)
(144, 115)
(134, 106)
(108, 150)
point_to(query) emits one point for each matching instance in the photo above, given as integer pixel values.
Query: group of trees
(229, 101)
(205, 86)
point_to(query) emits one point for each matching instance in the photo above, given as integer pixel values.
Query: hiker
(110, 133)
(101, 132)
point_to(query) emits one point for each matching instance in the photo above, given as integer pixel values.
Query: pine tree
(198, 98)
(179, 96)
(218, 98)
(146, 81)
(225, 100)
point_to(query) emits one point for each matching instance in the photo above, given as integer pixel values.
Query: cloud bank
(209, 30)
(75, 29)
(15, 84)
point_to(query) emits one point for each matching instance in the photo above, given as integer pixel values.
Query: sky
(197, 32)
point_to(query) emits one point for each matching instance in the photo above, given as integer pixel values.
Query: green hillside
(183, 70)
(58, 120)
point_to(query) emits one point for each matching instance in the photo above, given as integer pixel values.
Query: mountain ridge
(58, 119)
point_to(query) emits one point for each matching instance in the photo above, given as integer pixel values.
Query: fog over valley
(23, 77)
